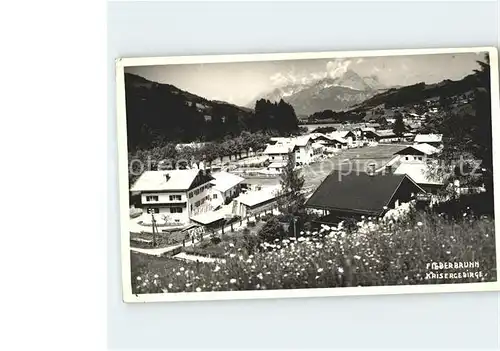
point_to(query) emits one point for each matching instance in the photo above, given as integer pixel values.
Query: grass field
(391, 254)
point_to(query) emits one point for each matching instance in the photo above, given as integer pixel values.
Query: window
(215, 196)
(175, 209)
(197, 203)
(191, 207)
(152, 198)
(406, 158)
(420, 158)
(153, 210)
(175, 198)
(272, 157)
(190, 194)
(177, 220)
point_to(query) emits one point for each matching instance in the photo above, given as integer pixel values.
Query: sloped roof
(211, 216)
(429, 138)
(340, 134)
(385, 133)
(253, 198)
(301, 141)
(418, 172)
(278, 149)
(423, 148)
(223, 181)
(179, 179)
(277, 165)
(357, 192)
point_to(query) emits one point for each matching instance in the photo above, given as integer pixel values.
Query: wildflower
(448, 252)
(181, 269)
(188, 285)
(156, 275)
(249, 261)
(232, 255)
(232, 281)
(146, 281)
(217, 268)
(154, 282)
(316, 277)
(341, 270)
(320, 270)
(420, 224)
(170, 286)
(231, 245)
(138, 278)
(143, 284)
(178, 273)
(198, 289)
(357, 257)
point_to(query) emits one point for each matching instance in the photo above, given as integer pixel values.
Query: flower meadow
(378, 253)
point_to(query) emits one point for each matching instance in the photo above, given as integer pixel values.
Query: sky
(242, 82)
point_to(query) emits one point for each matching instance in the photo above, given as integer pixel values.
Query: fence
(231, 227)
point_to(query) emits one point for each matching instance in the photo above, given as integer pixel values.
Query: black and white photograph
(308, 174)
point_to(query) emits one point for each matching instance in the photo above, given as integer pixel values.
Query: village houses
(279, 155)
(225, 187)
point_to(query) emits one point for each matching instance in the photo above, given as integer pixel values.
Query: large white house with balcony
(175, 195)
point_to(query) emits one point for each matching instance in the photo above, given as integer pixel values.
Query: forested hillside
(161, 113)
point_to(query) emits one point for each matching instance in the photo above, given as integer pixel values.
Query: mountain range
(417, 93)
(332, 93)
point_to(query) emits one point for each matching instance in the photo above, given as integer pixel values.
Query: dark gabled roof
(357, 192)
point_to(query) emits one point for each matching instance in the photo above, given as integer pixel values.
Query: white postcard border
(123, 185)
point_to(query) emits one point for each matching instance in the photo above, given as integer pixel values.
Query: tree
(399, 126)
(291, 199)
(468, 134)
(271, 231)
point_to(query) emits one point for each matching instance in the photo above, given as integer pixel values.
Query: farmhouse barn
(343, 196)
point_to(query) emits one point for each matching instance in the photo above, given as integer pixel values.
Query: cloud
(279, 79)
(337, 67)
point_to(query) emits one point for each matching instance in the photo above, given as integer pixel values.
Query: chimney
(167, 177)
(388, 169)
